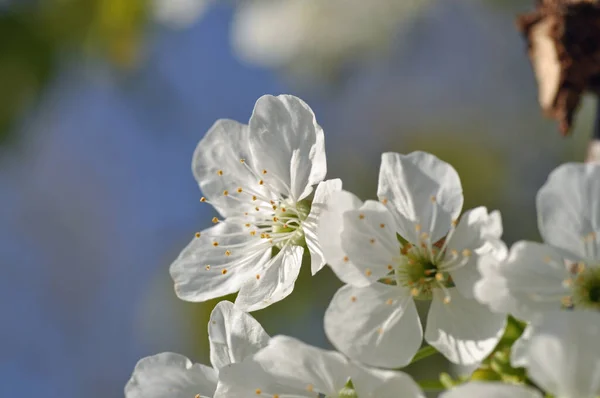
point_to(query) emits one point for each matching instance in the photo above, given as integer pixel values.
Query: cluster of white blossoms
(412, 244)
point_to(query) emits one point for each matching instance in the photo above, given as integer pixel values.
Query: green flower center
(289, 218)
(585, 288)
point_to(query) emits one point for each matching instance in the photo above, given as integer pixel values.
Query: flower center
(290, 220)
(585, 282)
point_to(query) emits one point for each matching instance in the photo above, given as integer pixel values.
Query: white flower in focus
(314, 37)
(564, 273)
(258, 177)
(289, 368)
(233, 335)
(562, 354)
(491, 390)
(410, 246)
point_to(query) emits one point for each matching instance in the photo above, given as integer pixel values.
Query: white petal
(287, 142)
(463, 330)
(518, 351)
(409, 182)
(249, 379)
(203, 271)
(169, 375)
(274, 282)
(479, 233)
(564, 355)
(490, 390)
(369, 241)
(300, 365)
(329, 233)
(569, 209)
(323, 194)
(377, 325)
(374, 383)
(527, 284)
(233, 335)
(217, 168)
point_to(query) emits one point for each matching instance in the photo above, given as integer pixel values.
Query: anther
(439, 277)
(283, 209)
(253, 198)
(384, 201)
(215, 244)
(257, 276)
(261, 182)
(390, 267)
(252, 233)
(227, 253)
(242, 160)
(454, 222)
(197, 234)
(361, 216)
(220, 172)
(274, 207)
(372, 241)
(258, 390)
(433, 200)
(346, 259)
(418, 227)
(224, 271)
(225, 192)
(389, 302)
(447, 300)
(381, 225)
(215, 220)
(207, 267)
(368, 272)
(309, 388)
(203, 199)
(240, 190)
(414, 292)
(466, 253)
(380, 330)
(264, 171)
(275, 219)
(353, 299)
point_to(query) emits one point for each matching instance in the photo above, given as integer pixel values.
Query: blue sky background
(97, 197)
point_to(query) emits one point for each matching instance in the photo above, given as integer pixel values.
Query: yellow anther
(264, 171)
(390, 267)
(309, 388)
(439, 277)
(215, 220)
(224, 271)
(417, 227)
(566, 301)
(261, 182)
(447, 300)
(215, 244)
(283, 209)
(353, 299)
(454, 252)
(252, 233)
(220, 172)
(242, 160)
(258, 390)
(254, 197)
(225, 192)
(389, 302)
(257, 209)
(424, 235)
(454, 222)
(247, 225)
(346, 259)
(257, 276)
(203, 199)
(240, 190)
(197, 234)
(262, 235)
(381, 225)
(361, 216)
(275, 219)
(227, 253)
(285, 226)
(384, 201)
(433, 200)
(414, 292)
(275, 395)
(372, 241)
(368, 272)
(274, 207)
(207, 267)
(466, 253)
(272, 202)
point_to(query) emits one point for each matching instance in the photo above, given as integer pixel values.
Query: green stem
(424, 352)
(431, 385)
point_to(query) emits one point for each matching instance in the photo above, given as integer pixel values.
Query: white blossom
(313, 38)
(259, 178)
(233, 336)
(288, 367)
(562, 354)
(409, 246)
(563, 273)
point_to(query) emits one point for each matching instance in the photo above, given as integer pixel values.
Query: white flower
(233, 335)
(562, 354)
(409, 246)
(290, 368)
(313, 37)
(564, 272)
(258, 177)
(491, 390)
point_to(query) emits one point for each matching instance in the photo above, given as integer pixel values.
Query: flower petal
(462, 330)
(217, 168)
(204, 271)
(375, 383)
(527, 284)
(274, 282)
(568, 209)
(409, 182)
(369, 241)
(377, 325)
(302, 366)
(478, 233)
(518, 351)
(170, 375)
(287, 142)
(329, 233)
(233, 335)
(323, 194)
(478, 389)
(563, 355)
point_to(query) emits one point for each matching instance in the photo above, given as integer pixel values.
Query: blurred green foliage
(35, 34)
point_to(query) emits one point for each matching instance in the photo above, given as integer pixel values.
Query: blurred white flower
(179, 13)
(258, 177)
(562, 354)
(314, 36)
(491, 390)
(233, 336)
(564, 272)
(410, 246)
(289, 368)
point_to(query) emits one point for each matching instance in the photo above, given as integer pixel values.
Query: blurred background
(103, 101)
